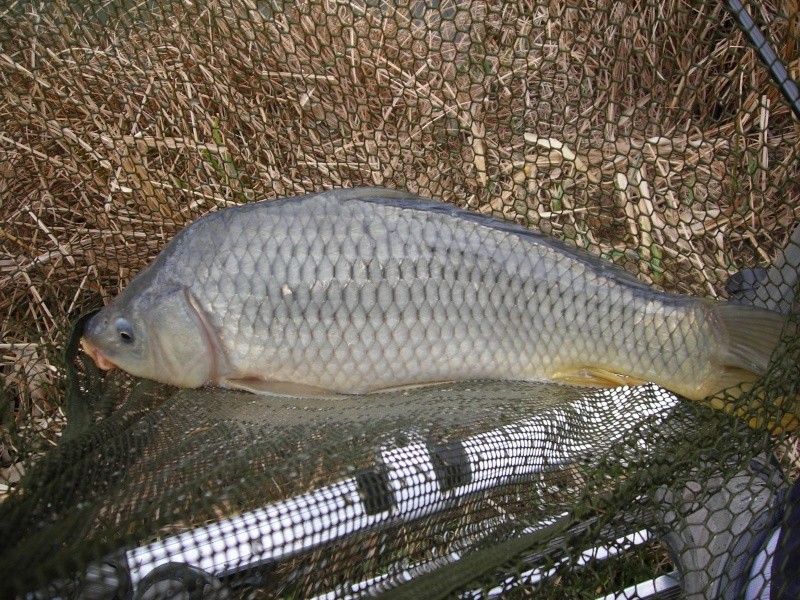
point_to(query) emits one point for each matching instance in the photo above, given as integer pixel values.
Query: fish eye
(125, 331)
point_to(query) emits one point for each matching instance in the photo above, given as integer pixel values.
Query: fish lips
(92, 350)
(94, 353)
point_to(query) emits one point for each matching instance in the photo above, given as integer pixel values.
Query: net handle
(778, 71)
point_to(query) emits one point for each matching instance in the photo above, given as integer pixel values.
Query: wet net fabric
(297, 497)
(650, 133)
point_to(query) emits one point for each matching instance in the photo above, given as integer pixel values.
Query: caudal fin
(753, 336)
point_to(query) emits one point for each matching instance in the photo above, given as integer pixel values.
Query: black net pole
(768, 56)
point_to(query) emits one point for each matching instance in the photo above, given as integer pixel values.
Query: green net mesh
(650, 133)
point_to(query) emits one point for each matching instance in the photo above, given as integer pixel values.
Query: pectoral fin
(411, 386)
(277, 388)
(594, 377)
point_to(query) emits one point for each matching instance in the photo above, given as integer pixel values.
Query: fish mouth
(101, 361)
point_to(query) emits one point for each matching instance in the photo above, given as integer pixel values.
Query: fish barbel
(353, 291)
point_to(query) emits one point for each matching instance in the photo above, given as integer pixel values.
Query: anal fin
(594, 377)
(777, 415)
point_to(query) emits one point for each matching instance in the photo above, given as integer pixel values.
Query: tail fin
(752, 334)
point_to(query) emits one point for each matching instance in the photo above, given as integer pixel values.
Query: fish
(351, 291)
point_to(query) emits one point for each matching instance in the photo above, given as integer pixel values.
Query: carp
(358, 290)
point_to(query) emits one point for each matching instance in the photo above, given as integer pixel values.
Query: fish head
(158, 334)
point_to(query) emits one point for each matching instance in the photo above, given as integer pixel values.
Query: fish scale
(350, 291)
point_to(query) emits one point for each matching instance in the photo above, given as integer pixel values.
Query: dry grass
(643, 130)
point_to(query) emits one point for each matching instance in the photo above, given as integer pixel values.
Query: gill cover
(158, 335)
